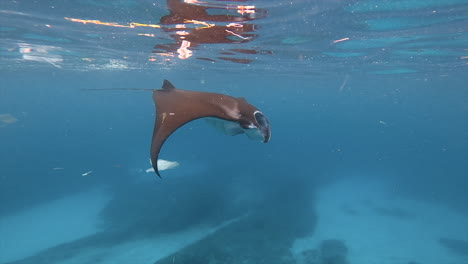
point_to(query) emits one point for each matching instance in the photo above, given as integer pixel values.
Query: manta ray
(176, 107)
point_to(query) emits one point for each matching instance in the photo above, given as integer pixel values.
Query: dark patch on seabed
(270, 217)
(330, 251)
(456, 246)
(264, 236)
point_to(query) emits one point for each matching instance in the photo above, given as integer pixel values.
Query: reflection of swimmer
(185, 12)
(232, 33)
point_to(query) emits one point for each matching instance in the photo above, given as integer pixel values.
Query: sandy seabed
(379, 226)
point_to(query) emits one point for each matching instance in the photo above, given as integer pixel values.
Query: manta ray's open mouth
(263, 125)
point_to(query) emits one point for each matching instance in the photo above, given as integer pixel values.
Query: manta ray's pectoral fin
(159, 137)
(175, 108)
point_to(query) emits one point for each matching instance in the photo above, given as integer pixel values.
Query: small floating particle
(146, 35)
(340, 40)
(7, 119)
(58, 168)
(382, 122)
(86, 173)
(343, 85)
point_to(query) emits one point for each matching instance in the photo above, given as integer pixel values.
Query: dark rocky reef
(330, 251)
(457, 246)
(264, 235)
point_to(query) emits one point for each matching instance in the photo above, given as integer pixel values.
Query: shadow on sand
(272, 211)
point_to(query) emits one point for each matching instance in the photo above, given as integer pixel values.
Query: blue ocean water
(367, 163)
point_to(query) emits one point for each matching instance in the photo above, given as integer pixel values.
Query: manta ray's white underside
(164, 165)
(233, 128)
